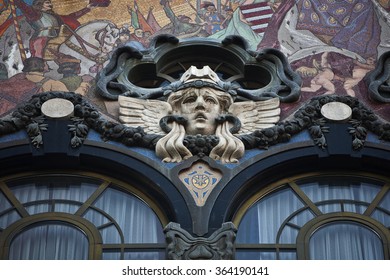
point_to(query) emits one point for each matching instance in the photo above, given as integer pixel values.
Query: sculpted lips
(200, 116)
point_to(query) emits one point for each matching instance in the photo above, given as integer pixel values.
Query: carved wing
(143, 112)
(255, 115)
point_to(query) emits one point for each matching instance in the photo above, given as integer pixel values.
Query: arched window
(77, 216)
(309, 217)
(49, 241)
(345, 240)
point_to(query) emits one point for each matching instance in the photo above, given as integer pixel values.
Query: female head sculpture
(199, 106)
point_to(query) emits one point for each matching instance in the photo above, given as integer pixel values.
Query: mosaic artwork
(62, 45)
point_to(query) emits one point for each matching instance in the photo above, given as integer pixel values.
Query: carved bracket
(183, 246)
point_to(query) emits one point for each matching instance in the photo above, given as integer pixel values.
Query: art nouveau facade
(202, 148)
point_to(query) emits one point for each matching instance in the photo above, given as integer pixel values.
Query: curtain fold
(50, 242)
(138, 223)
(120, 217)
(345, 241)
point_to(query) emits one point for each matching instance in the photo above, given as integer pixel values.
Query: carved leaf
(136, 112)
(256, 115)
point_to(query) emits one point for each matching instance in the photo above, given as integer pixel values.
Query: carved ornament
(378, 80)
(183, 246)
(28, 117)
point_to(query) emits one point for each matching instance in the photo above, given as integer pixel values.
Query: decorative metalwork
(263, 75)
(378, 80)
(183, 246)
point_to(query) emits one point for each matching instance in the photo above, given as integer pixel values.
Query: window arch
(118, 220)
(286, 219)
(49, 241)
(349, 237)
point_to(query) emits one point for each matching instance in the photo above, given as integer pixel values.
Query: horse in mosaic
(92, 43)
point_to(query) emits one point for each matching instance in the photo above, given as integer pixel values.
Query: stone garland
(309, 117)
(28, 116)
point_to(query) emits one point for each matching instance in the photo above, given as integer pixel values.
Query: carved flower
(310, 110)
(28, 110)
(200, 144)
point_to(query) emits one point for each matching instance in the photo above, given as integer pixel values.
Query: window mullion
(305, 198)
(14, 201)
(381, 194)
(92, 198)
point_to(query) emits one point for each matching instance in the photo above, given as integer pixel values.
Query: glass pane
(355, 208)
(330, 208)
(95, 217)
(110, 235)
(53, 187)
(9, 218)
(256, 225)
(302, 218)
(254, 255)
(345, 241)
(385, 203)
(38, 208)
(145, 255)
(137, 220)
(66, 208)
(136, 255)
(4, 203)
(340, 188)
(289, 235)
(287, 255)
(111, 255)
(50, 242)
(381, 217)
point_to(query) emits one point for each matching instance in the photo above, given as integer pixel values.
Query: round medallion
(336, 111)
(57, 108)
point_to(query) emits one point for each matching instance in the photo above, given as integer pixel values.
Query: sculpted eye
(211, 100)
(190, 99)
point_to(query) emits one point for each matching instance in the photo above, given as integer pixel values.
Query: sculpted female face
(200, 106)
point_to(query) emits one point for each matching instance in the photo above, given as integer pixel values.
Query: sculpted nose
(200, 104)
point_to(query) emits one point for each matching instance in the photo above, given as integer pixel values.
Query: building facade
(200, 130)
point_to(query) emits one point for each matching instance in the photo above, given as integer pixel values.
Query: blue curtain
(136, 220)
(120, 218)
(264, 220)
(50, 242)
(345, 241)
